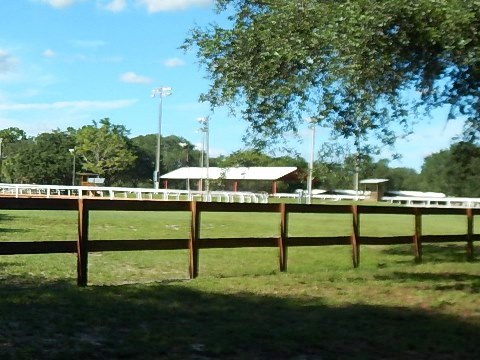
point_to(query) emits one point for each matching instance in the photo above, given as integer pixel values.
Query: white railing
(51, 191)
(450, 202)
(335, 197)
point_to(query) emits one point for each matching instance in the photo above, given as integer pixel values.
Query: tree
(44, 159)
(172, 155)
(433, 176)
(454, 171)
(175, 154)
(351, 64)
(105, 149)
(337, 165)
(139, 174)
(12, 134)
(463, 170)
(400, 178)
(246, 158)
(9, 137)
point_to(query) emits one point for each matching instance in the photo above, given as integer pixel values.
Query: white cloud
(120, 5)
(71, 105)
(49, 53)
(116, 5)
(173, 62)
(172, 5)
(8, 63)
(36, 118)
(132, 78)
(59, 4)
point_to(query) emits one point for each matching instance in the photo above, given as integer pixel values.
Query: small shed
(375, 186)
(90, 179)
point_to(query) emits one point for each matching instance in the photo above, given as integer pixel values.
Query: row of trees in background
(102, 148)
(106, 149)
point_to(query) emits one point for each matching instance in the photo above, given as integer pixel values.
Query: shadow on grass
(57, 320)
(5, 218)
(434, 253)
(438, 281)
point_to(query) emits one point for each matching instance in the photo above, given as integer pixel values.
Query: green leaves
(348, 61)
(104, 148)
(43, 160)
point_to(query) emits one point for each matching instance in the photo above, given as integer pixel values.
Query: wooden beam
(135, 245)
(135, 205)
(470, 254)
(417, 237)
(192, 243)
(38, 247)
(319, 240)
(283, 239)
(230, 243)
(82, 245)
(274, 187)
(355, 236)
(386, 240)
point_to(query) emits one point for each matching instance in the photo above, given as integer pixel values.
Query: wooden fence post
(417, 237)
(192, 243)
(82, 244)
(282, 240)
(470, 254)
(354, 239)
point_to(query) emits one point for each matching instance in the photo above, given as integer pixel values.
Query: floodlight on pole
(159, 92)
(312, 125)
(184, 145)
(204, 121)
(202, 153)
(72, 151)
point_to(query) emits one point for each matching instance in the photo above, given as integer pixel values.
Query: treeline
(106, 149)
(454, 171)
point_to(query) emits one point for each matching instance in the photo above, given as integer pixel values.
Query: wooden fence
(83, 245)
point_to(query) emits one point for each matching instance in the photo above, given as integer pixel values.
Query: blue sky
(67, 62)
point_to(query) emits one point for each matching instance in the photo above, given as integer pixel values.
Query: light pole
(185, 146)
(204, 121)
(312, 126)
(357, 165)
(72, 151)
(201, 160)
(355, 177)
(160, 92)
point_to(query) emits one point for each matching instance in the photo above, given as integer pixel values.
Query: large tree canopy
(352, 65)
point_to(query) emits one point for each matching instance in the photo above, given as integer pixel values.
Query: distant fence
(84, 245)
(110, 192)
(460, 202)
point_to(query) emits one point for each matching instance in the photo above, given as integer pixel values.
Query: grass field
(141, 305)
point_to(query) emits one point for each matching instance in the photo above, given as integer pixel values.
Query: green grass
(141, 305)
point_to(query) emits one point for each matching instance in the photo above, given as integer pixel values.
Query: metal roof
(373, 181)
(232, 173)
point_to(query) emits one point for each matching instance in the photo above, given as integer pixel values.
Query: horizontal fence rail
(112, 193)
(194, 242)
